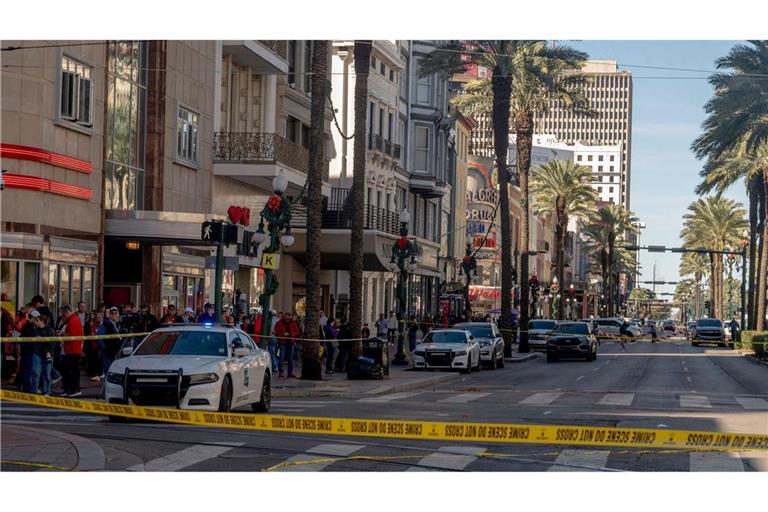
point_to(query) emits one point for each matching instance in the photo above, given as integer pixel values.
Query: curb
(90, 456)
(380, 390)
(527, 357)
(755, 360)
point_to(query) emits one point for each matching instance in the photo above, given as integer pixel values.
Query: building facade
(609, 92)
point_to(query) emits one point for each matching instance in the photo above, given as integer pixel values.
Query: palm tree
(597, 238)
(611, 224)
(311, 368)
(714, 222)
(738, 115)
(696, 265)
(525, 77)
(362, 65)
(561, 188)
(719, 175)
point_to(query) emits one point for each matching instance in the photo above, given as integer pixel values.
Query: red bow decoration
(235, 214)
(274, 203)
(402, 243)
(246, 217)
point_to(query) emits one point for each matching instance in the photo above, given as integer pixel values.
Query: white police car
(202, 367)
(448, 349)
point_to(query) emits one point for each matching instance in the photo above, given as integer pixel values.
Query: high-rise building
(610, 95)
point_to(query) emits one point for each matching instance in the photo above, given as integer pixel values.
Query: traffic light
(212, 232)
(706, 307)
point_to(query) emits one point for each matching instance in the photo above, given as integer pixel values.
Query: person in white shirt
(392, 323)
(82, 313)
(323, 319)
(381, 326)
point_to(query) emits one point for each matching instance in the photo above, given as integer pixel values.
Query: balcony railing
(339, 216)
(259, 148)
(378, 143)
(387, 148)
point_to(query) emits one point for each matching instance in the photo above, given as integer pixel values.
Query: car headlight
(460, 353)
(116, 378)
(203, 378)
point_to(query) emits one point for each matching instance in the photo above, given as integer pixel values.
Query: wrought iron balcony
(387, 148)
(378, 143)
(339, 216)
(259, 148)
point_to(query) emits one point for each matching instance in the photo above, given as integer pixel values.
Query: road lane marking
(541, 399)
(715, 461)
(580, 460)
(697, 401)
(688, 379)
(579, 378)
(752, 404)
(184, 458)
(617, 399)
(447, 457)
(388, 398)
(323, 452)
(463, 398)
(685, 369)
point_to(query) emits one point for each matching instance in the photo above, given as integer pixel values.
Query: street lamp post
(469, 266)
(277, 214)
(402, 250)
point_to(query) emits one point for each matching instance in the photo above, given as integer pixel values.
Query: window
(293, 130)
(391, 75)
(611, 179)
(390, 127)
(373, 62)
(600, 158)
(578, 158)
(611, 168)
(610, 189)
(305, 135)
(382, 69)
(187, 128)
(381, 122)
(403, 85)
(599, 168)
(292, 64)
(307, 66)
(612, 157)
(424, 90)
(600, 190)
(421, 149)
(76, 92)
(589, 158)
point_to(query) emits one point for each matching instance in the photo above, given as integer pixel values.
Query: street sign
(656, 248)
(230, 262)
(270, 260)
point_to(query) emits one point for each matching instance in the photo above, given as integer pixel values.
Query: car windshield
(709, 323)
(579, 328)
(445, 337)
(541, 324)
(184, 343)
(478, 331)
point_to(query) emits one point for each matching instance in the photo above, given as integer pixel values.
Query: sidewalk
(32, 449)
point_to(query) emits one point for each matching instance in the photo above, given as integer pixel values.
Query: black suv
(572, 339)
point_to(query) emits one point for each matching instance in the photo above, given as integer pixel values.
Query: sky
(667, 114)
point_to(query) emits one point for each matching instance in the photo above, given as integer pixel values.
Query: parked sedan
(538, 332)
(448, 349)
(490, 340)
(572, 339)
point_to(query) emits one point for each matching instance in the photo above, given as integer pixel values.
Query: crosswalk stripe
(617, 399)
(580, 460)
(752, 404)
(463, 398)
(715, 461)
(322, 452)
(454, 458)
(698, 401)
(541, 398)
(183, 458)
(387, 398)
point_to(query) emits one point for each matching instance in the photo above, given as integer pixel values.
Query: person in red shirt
(287, 330)
(73, 351)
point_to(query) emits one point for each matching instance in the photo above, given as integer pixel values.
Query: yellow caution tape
(424, 430)
(17, 339)
(36, 465)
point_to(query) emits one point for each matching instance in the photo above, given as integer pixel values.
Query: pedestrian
(273, 347)
(365, 332)
(209, 316)
(109, 347)
(30, 363)
(323, 319)
(331, 335)
(242, 302)
(171, 317)
(734, 326)
(189, 315)
(623, 333)
(91, 348)
(382, 325)
(654, 335)
(413, 328)
(146, 321)
(343, 342)
(44, 349)
(287, 331)
(72, 353)
(392, 326)
(82, 313)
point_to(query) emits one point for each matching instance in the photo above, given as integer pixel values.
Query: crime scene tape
(415, 429)
(18, 339)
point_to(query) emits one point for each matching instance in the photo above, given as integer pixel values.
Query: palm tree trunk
(501, 83)
(712, 285)
(362, 65)
(604, 269)
(761, 276)
(311, 368)
(561, 229)
(524, 131)
(754, 185)
(611, 243)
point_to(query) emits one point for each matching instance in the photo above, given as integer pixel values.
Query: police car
(196, 366)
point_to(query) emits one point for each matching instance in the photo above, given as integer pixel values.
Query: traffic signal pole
(218, 284)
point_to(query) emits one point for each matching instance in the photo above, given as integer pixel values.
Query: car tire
(225, 395)
(551, 358)
(468, 369)
(265, 401)
(493, 365)
(479, 363)
(501, 361)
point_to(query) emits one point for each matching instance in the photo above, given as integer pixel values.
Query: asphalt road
(664, 385)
